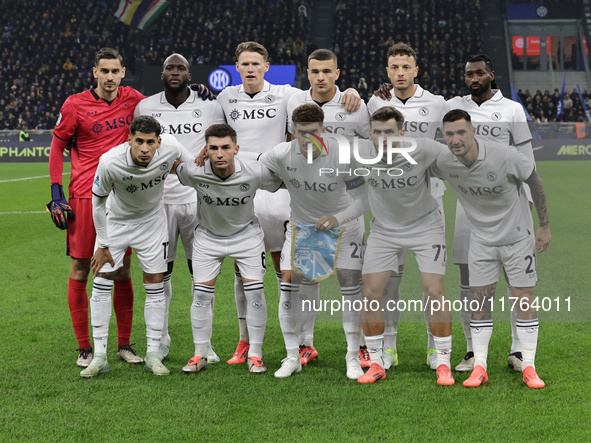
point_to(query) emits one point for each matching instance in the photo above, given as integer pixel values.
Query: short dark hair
(322, 55)
(309, 113)
(387, 113)
(402, 49)
(109, 54)
(474, 58)
(221, 131)
(252, 47)
(146, 124)
(455, 115)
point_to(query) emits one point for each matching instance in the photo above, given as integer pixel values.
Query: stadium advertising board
(37, 150)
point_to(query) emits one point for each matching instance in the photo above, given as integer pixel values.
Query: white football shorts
(384, 251)
(246, 248)
(149, 240)
(518, 259)
(272, 210)
(182, 221)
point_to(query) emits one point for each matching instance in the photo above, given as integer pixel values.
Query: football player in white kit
(499, 120)
(406, 217)
(182, 113)
(133, 175)
(422, 113)
(322, 73)
(314, 195)
(226, 187)
(257, 110)
(488, 179)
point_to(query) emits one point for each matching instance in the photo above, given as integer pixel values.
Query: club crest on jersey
(340, 116)
(244, 187)
(131, 188)
(164, 166)
(423, 111)
(491, 176)
(269, 98)
(196, 113)
(97, 128)
(496, 116)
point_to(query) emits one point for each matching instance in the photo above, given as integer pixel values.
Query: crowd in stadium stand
(442, 34)
(47, 54)
(542, 107)
(209, 34)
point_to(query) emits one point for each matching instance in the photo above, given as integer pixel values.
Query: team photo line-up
(239, 174)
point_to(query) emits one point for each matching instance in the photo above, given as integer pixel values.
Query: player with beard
(422, 113)
(91, 123)
(183, 114)
(500, 120)
(502, 234)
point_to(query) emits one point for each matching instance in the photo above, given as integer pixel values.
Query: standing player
(406, 218)
(133, 174)
(500, 120)
(422, 113)
(487, 178)
(313, 195)
(91, 123)
(182, 114)
(257, 110)
(226, 187)
(323, 72)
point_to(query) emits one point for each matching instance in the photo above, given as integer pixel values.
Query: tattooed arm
(543, 235)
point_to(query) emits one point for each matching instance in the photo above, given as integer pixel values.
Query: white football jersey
(312, 194)
(260, 121)
(423, 112)
(336, 120)
(187, 123)
(399, 193)
(136, 191)
(490, 191)
(226, 206)
(498, 120)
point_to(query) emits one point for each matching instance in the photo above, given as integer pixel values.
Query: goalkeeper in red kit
(91, 123)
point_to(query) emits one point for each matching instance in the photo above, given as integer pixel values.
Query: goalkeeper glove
(59, 207)
(202, 91)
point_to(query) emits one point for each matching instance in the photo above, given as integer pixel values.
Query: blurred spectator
(42, 49)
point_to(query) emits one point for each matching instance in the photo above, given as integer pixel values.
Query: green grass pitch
(42, 396)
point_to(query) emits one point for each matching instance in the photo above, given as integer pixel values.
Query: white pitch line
(28, 178)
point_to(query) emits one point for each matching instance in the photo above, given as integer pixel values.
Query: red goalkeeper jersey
(98, 125)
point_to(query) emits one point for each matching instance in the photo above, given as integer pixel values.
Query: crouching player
(313, 195)
(133, 175)
(406, 218)
(226, 187)
(487, 179)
